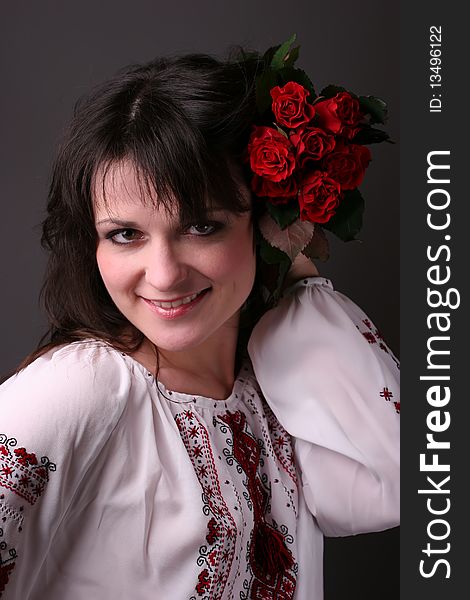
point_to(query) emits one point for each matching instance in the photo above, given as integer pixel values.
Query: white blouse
(113, 487)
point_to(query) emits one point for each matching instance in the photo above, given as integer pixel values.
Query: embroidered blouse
(114, 487)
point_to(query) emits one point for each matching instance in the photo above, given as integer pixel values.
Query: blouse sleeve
(55, 416)
(333, 384)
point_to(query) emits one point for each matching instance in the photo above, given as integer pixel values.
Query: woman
(143, 453)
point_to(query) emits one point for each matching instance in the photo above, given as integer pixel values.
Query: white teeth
(176, 303)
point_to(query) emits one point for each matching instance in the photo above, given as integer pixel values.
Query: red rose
(270, 154)
(347, 164)
(312, 143)
(339, 113)
(290, 106)
(350, 132)
(277, 192)
(348, 109)
(319, 197)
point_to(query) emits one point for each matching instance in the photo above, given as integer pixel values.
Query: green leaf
(284, 214)
(264, 83)
(347, 221)
(318, 247)
(281, 53)
(375, 107)
(271, 255)
(272, 267)
(370, 135)
(280, 130)
(292, 57)
(268, 55)
(331, 90)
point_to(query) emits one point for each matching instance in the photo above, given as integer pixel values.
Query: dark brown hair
(184, 122)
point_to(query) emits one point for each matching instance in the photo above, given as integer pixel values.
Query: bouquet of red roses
(307, 155)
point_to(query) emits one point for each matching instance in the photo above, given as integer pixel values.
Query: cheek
(237, 262)
(113, 273)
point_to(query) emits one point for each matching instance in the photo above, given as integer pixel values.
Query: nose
(166, 267)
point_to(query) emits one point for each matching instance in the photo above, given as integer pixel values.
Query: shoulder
(314, 299)
(76, 387)
(305, 304)
(316, 325)
(88, 366)
(83, 366)
(56, 417)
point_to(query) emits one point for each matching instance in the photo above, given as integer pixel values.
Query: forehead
(118, 184)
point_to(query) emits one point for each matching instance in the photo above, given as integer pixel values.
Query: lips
(178, 307)
(175, 303)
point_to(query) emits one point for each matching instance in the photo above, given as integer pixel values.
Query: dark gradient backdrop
(53, 51)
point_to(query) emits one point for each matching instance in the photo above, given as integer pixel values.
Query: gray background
(54, 51)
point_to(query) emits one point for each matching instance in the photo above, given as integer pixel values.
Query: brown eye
(124, 236)
(204, 228)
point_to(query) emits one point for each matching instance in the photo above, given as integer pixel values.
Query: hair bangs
(175, 165)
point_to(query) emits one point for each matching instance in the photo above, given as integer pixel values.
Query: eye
(202, 229)
(124, 236)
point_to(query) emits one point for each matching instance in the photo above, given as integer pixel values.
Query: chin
(179, 336)
(177, 343)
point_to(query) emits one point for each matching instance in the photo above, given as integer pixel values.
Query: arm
(55, 416)
(333, 384)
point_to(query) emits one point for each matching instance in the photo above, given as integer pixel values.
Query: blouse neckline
(176, 397)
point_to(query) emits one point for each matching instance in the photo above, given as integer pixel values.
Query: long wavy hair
(184, 123)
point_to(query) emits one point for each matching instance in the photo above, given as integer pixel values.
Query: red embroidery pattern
(369, 337)
(5, 571)
(277, 441)
(368, 324)
(282, 444)
(387, 394)
(20, 471)
(222, 529)
(203, 582)
(284, 589)
(8, 553)
(373, 336)
(271, 562)
(21, 474)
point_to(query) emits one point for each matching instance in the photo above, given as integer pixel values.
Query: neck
(205, 370)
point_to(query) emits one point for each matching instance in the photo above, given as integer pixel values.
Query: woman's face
(178, 286)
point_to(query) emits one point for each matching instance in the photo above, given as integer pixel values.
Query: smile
(175, 303)
(176, 308)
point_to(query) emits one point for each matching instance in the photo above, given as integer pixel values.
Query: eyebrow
(130, 224)
(134, 225)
